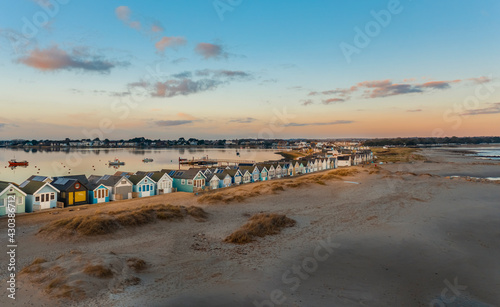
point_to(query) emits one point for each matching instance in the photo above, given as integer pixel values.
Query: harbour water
(95, 161)
(489, 153)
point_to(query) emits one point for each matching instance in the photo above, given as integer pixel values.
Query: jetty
(208, 161)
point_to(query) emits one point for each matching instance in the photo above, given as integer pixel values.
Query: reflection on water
(58, 161)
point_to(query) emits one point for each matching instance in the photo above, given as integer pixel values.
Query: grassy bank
(291, 155)
(398, 154)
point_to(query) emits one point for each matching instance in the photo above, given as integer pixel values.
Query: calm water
(94, 161)
(492, 153)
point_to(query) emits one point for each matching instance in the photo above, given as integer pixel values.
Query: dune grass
(35, 267)
(98, 271)
(103, 223)
(136, 264)
(260, 225)
(265, 188)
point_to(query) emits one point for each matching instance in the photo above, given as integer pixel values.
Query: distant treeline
(432, 141)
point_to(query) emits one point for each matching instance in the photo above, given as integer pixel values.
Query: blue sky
(167, 69)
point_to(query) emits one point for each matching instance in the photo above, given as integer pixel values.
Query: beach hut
(73, 192)
(213, 181)
(271, 171)
(11, 195)
(236, 175)
(264, 173)
(226, 179)
(144, 186)
(279, 170)
(253, 170)
(344, 160)
(98, 193)
(120, 187)
(39, 195)
(164, 182)
(247, 176)
(191, 180)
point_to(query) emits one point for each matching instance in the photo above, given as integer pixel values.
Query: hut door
(70, 198)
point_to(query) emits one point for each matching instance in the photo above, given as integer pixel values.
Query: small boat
(147, 160)
(14, 162)
(116, 162)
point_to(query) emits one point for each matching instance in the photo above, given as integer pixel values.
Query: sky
(226, 69)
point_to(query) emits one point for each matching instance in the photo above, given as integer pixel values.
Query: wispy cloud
(386, 88)
(482, 79)
(183, 87)
(337, 122)
(169, 42)
(332, 100)
(414, 110)
(245, 120)
(145, 25)
(229, 74)
(493, 109)
(168, 123)
(211, 51)
(183, 83)
(307, 102)
(54, 58)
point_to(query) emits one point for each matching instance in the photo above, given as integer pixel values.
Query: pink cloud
(482, 79)
(49, 59)
(123, 13)
(54, 58)
(167, 42)
(208, 50)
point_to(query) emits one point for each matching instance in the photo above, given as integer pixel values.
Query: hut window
(183, 181)
(190, 182)
(52, 196)
(37, 198)
(107, 192)
(95, 194)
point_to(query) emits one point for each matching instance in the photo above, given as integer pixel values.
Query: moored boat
(146, 160)
(14, 162)
(116, 162)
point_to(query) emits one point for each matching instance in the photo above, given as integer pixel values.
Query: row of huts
(41, 192)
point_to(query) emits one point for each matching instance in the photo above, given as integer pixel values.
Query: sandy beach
(401, 234)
